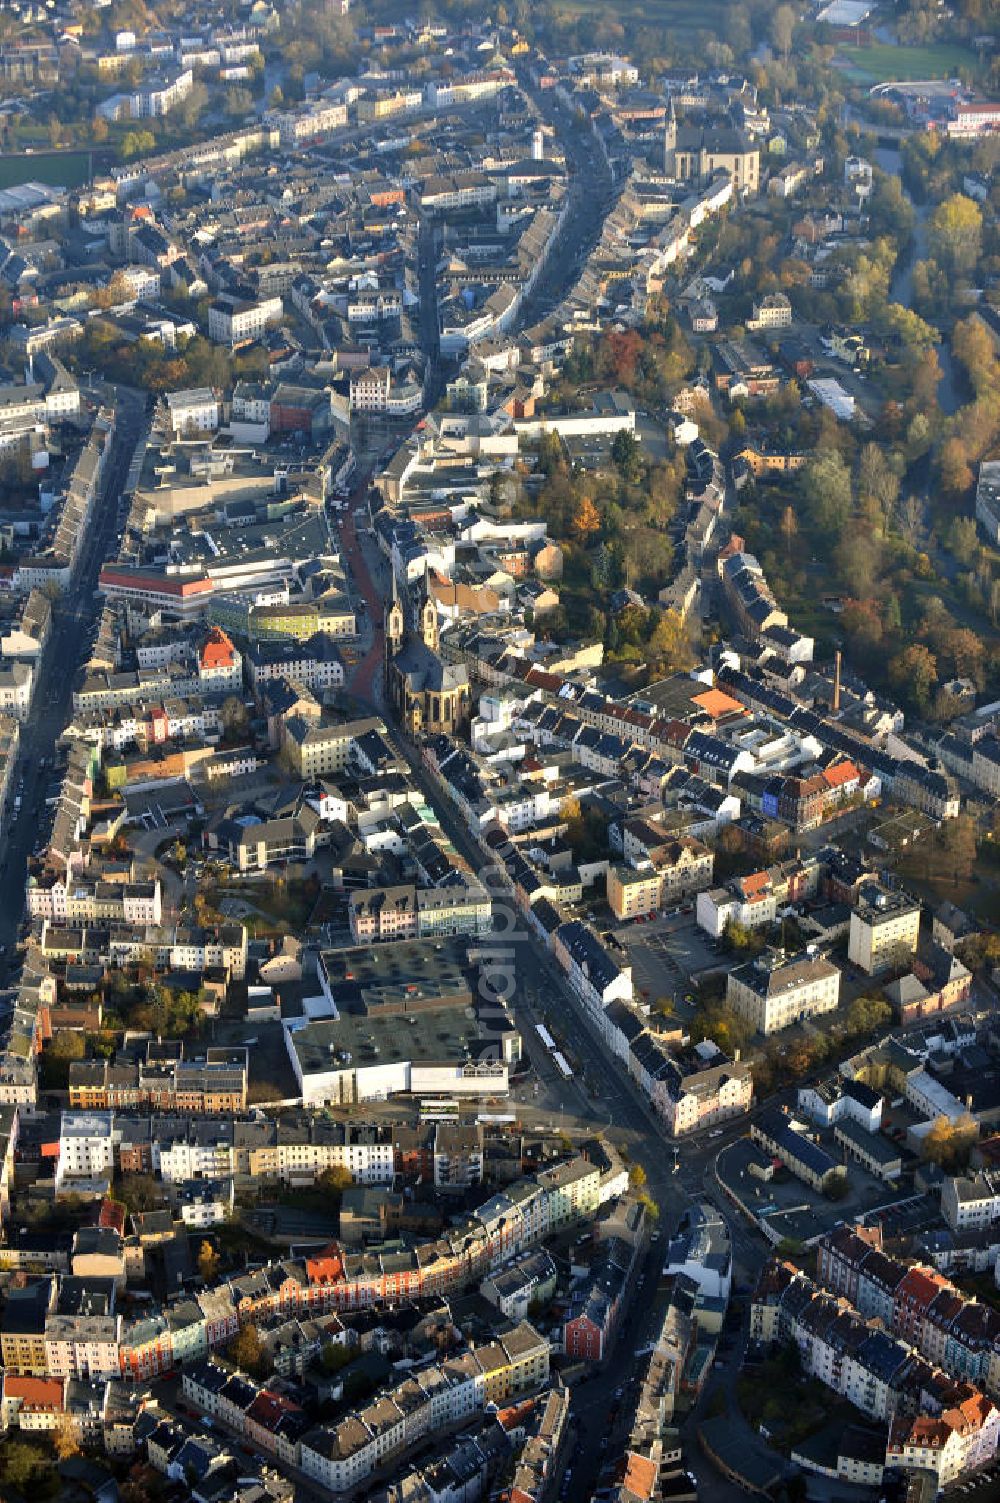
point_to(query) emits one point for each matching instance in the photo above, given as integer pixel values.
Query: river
(901, 286)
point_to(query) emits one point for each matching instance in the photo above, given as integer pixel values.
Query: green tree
(826, 491)
(963, 540)
(137, 143)
(878, 483)
(24, 1468)
(625, 455)
(239, 102)
(138, 1192)
(867, 1014)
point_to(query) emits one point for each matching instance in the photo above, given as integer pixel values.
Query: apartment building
(885, 929)
(192, 412)
(693, 1095)
(314, 751)
(234, 321)
(970, 1202)
(772, 992)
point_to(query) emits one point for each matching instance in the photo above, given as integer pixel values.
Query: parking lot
(664, 956)
(790, 1206)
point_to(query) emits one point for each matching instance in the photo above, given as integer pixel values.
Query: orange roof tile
(41, 1392)
(715, 703)
(640, 1475)
(841, 773)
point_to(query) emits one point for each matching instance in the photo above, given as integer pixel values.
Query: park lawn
(882, 62)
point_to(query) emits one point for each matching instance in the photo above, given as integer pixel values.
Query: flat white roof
(845, 12)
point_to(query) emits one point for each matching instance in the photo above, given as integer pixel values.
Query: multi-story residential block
(988, 499)
(590, 968)
(885, 928)
(235, 321)
(86, 1147)
(192, 413)
(772, 311)
(772, 992)
(408, 912)
(694, 1094)
(970, 1202)
(748, 901)
(673, 870)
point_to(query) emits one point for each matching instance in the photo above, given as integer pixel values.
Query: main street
(73, 618)
(601, 1096)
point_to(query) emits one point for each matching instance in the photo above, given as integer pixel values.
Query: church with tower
(430, 697)
(693, 153)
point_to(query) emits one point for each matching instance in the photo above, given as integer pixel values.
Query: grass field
(60, 169)
(881, 62)
(679, 15)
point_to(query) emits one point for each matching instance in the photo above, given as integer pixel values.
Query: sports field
(882, 62)
(60, 169)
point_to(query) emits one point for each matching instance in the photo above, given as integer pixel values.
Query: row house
(915, 1303)
(37, 1338)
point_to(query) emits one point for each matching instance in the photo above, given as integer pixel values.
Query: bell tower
(670, 141)
(394, 623)
(428, 617)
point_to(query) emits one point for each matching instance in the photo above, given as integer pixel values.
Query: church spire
(394, 622)
(427, 613)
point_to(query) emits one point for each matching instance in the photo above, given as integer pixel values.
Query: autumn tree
(670, 641)
(953, 469)
(621, 351)
(586, 520)
(208, 1262)
(246, 1351)
(955, 233)
(972, 345)
(335, 1180)
(950, 1143)
(66, 1438)
(913, 672)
